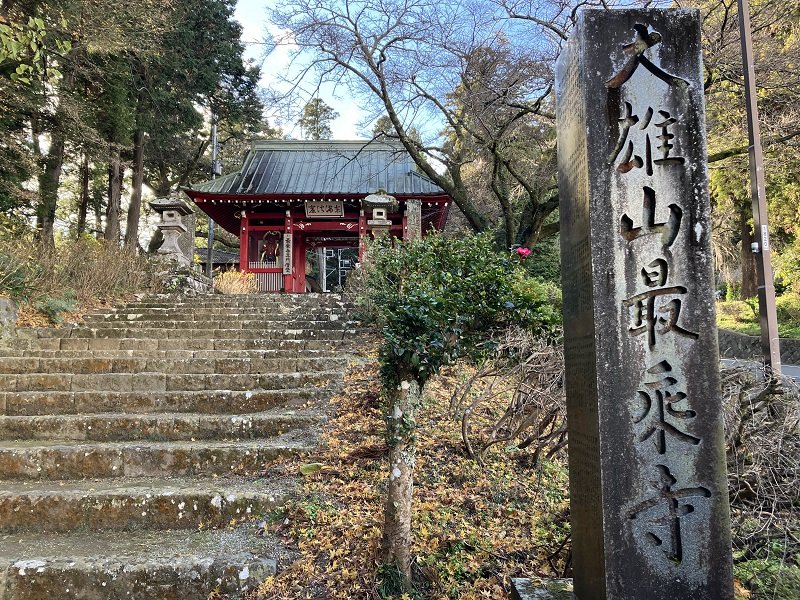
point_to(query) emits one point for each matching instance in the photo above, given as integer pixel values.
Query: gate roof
(324, 168)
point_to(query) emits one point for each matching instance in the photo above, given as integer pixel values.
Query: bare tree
(475, 82)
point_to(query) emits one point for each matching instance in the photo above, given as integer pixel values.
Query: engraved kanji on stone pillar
(649, 507)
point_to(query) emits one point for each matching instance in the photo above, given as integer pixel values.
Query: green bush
(439, 299)
(544, 261)
(18, 275)
(53, 308)
(788, 309)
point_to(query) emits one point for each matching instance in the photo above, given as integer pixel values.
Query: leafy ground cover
(475, 526)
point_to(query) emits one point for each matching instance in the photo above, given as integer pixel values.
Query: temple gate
(293, 202)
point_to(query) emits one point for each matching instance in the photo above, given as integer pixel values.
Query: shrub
(788, 309)
(438, 299)
(18, 274)
(53, 308)
(71, 273)
(544, 261)
(235, 282)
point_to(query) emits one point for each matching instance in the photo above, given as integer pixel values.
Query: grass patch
(742, 316)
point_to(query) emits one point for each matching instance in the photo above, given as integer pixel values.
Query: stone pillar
(648, 493)
(413, 219)
(186, 240)
(172, 228)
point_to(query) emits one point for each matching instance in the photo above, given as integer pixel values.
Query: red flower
(523, 252)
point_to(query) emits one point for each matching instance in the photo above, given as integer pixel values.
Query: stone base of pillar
(170, 248)
(8, 317)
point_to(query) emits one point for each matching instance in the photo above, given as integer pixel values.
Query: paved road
(792, 371)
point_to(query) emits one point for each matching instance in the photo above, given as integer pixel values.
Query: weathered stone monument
(648, 495)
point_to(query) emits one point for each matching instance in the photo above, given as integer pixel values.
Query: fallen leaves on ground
(475, 526)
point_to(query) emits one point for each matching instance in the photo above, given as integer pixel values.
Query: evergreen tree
(316, 120)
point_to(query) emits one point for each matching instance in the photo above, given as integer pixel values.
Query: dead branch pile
(528, 373)
(762, 427)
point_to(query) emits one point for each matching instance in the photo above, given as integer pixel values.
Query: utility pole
(770, 342)
(215, 170)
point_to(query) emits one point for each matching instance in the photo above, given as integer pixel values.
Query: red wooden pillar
(244, 243)
(362, 235)
(288, 279)
(299, 266)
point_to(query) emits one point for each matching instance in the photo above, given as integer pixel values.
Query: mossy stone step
(135, 504)
(59, 460)
(142, 364)
(158, 333)
(115, 427)
(252, 354)
(143, 402)
(161, 382)
(163, 565)
(84, 344)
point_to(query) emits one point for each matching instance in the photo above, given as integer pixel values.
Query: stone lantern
(172, 211)
(379, 204)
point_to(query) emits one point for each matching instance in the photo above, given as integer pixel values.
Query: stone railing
(739, 345)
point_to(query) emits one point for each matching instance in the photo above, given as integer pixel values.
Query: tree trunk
(397, 512)
(135, 207)
(749, 278)
(114, 194)
(50, 177)
(97, 208)
(49, 181)
(83, 205)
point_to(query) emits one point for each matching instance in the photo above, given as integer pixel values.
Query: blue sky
(252, 14)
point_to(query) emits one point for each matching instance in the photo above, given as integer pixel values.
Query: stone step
(144, 402)
(57, 460)
(240, 299)
(156, 333)
(114, 427)
(135, 504)
(163, 565)
(162, 382)
(291, 306)
(256, 354)
(218, 314)
(94, 364)
(83, 344)
(254, 324)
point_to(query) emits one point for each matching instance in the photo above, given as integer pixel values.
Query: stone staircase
(134, 449)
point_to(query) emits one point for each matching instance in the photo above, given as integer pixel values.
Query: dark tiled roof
(220, 257)
(325, 168)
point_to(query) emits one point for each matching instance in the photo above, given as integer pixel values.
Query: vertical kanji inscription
(643, 396)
